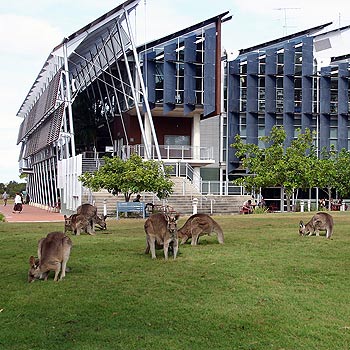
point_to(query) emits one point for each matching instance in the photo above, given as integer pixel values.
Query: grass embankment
(265, 288)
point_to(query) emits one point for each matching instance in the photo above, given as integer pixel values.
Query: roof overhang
(78, 44)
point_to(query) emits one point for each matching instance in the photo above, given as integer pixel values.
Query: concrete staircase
(181, 200)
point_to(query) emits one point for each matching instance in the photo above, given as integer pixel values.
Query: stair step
(180, 202)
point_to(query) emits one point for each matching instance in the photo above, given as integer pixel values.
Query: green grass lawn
(265, 288)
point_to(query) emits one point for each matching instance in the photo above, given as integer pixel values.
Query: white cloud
(24, 45)
(27, 36)
(297, 14)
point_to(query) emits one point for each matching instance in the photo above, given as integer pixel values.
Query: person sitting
(137, 199)
(247, 207)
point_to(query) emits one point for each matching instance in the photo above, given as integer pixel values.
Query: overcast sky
(30, 29)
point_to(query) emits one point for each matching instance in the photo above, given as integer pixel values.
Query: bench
(131, 207)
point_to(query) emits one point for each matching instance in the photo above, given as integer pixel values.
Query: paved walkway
(29, 214)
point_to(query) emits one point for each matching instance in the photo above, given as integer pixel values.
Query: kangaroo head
(302, 228)
(102, 222)
(34, 270)
(172, 222)
(67, 223)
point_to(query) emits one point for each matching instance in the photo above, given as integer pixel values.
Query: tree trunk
(288, 202)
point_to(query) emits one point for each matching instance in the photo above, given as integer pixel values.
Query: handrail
(180, 169)
(177, 152)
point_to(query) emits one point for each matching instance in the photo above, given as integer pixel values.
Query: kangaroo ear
(177, 216)
(32, 261)
(301, 224)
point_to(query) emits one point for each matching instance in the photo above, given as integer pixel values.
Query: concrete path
(29, 214)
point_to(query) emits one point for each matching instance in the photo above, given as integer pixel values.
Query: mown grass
(265, 288)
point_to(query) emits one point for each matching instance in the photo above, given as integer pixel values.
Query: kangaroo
(53, 254)
(319, 222)
(80, 223)
(198, 225)
(89, 212)
(161, 230)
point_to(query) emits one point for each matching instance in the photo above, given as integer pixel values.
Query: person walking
(18, 203)
(5, 196)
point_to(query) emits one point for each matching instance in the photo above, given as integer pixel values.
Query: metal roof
(78, 44)
(309, 31)
(183, 32)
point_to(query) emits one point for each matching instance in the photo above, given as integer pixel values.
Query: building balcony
(195, 156)
(170, 154)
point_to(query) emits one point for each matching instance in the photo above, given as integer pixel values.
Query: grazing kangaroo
(319, 222)
(53, 254)
(89, 211)
(80, 223)
(84, 220)
(198, 225)
(161, 230)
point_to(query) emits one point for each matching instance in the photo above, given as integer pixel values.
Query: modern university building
(177, 99)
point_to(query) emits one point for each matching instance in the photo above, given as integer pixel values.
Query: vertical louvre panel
(325, 107)
(307, 72)
(343, 100)
(169, 77)
(233, 94)
(270, 90)
(209, 70)
(190, 73)
(252, 98)
(288, 92)
(149, 76)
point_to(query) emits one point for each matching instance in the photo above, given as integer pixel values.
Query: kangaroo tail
(220, 233)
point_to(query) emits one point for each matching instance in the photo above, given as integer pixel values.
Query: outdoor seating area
(142, 209)
(131, 207)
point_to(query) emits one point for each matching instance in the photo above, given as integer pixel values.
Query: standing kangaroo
(198, 225)
(319, 222)
(53, 254)
(161, 230)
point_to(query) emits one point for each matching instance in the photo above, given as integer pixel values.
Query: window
(179, 140)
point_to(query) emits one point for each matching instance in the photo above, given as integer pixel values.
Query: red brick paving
(29, 214)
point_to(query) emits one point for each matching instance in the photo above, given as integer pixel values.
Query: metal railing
(221, 188)
(179, 169)
(171, 152)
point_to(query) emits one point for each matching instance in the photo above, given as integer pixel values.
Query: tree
(277, 165)
(12, 188)
(342, 173)
(130, 176)
(326, 172)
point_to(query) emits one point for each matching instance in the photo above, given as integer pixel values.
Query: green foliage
(290, 167)
(342, 171)
(12, 188)
(293, 167)
(130, 176)
(265, 288)
(260, 210)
